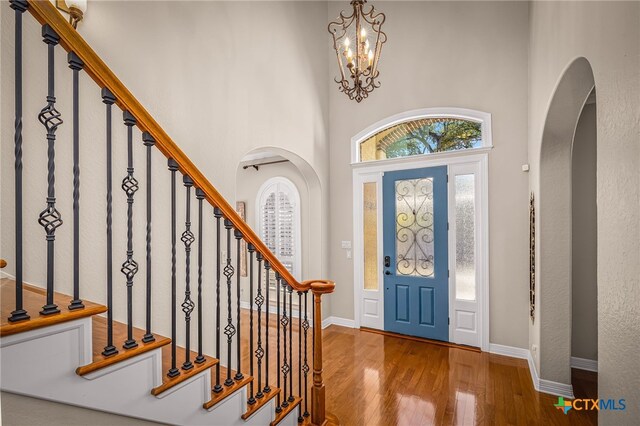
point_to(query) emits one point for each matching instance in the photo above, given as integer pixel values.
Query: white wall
(449, 54)
(584, 254)
(607, 35)
(222, 78)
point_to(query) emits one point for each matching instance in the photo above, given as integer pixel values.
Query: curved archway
(312, 201)
(554, 286)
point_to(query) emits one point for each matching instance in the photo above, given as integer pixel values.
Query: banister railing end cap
(320, 286)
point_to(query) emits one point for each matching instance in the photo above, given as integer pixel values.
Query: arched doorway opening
(262, 164)
(565, 175)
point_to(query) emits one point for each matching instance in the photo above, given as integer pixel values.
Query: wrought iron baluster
(173, 371)
(290, 370)
(238, 236)
(76, 65)
(50, 218)
(187, 305)
(259, 302)
(252, 399)
(200, 196)
(284, 321)
(218, 215)
(108, 99)
(305, 366)
(130, 266)
(300, 418)
(149, 142)
(19, 6)
(267, 269)
(278, 367)
(229, 329)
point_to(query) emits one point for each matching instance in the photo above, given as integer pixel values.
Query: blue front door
(416, 281)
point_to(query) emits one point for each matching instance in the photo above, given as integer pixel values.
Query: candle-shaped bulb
(347, 42)
(363, 33)
(349, 53)
(370, 57)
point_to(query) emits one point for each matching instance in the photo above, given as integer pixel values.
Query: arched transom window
(421, 136)
(279, 221)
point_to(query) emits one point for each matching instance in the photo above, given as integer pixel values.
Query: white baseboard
(344, 322)
(541, 385)
(584, 364)
(511, 351)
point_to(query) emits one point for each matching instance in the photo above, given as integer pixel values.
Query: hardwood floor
(378, 379)
(373, 379)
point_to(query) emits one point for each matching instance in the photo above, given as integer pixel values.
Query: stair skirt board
(41, 363)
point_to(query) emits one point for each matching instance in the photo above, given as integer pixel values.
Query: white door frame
(372, 171)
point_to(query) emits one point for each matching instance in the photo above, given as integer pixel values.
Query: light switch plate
(346, 244)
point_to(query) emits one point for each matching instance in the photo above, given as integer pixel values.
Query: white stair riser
(42, 363)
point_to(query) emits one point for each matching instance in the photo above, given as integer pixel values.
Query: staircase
(249, 365)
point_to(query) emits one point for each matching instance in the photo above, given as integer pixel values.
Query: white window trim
(462, 113)
(372, 171)
(280, 180)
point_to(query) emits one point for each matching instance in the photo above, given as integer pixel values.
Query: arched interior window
(279, 221)
(422, 136)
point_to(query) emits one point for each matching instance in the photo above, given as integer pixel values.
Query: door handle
(387, 261)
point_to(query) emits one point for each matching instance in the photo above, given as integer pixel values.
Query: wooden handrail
(45, 12)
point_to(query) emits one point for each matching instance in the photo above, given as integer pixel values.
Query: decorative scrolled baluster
(284, 321)
(305, 366)
(259, 301)
(187, 305)
(149, 142)
(238, 236)
(108, 99)
(50, 218)
(229, 329)
(300, 418)
(290, 289)
(252, 399)
(130, 266)
(76, 64)
(218, 215)
(278, 366)
(19, 6)
(267, 271)
(173, 371)
(200, 197)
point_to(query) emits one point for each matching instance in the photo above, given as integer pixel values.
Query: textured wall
(606, 34)
(584, 254)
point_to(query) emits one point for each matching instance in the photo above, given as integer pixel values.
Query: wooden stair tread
(286, 410)
(33, 300)
(169, 382)
(119, 336)
(217, 397)
(260, 402)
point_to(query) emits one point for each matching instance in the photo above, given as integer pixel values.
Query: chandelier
(358, 40)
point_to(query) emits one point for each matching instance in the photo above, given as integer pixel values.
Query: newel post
(318, 412)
